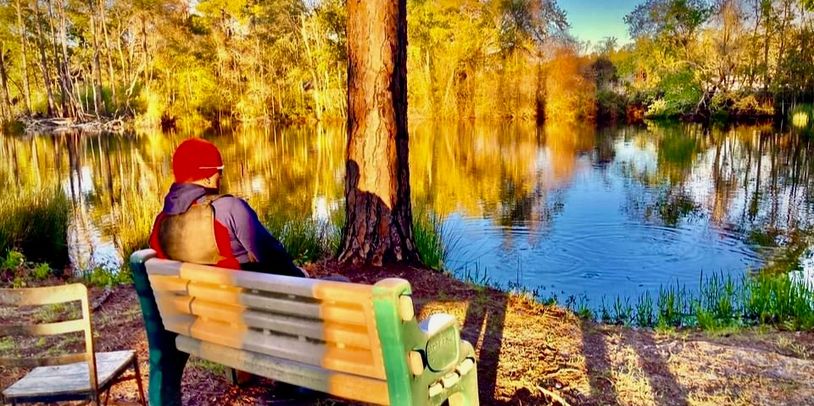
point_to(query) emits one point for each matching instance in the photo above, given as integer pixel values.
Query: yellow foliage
(800, 119)
(570, 96)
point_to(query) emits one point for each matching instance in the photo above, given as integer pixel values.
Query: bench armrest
(426, 362)
(444, 363)
(435, 323)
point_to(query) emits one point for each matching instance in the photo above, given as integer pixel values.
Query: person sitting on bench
(200, 225)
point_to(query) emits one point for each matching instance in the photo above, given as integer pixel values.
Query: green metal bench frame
(425, 363)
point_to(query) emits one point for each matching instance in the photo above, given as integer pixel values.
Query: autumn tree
(378, 210)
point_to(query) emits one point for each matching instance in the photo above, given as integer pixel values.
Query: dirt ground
(529, 354)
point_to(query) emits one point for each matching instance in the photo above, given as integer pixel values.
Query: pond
(568, 210)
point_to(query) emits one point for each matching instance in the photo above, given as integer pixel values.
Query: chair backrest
(327, 324)
(48, 296)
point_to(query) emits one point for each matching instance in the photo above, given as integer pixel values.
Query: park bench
(355, 341)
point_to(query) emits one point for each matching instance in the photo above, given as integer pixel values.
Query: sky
(592, 20)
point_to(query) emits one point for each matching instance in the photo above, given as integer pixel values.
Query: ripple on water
(610, 257)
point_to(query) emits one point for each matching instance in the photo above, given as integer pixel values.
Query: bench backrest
(356, 341)
(51, 295)
(327, 324)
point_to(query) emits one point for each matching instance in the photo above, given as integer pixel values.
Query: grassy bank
(35, 223)
(428, 232)
(134, 223)
(305, 239)
(310, 240)
(720, 302)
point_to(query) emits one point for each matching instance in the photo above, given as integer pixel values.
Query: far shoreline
(121, 125)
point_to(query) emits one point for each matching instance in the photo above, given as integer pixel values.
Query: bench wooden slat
(350, 360)
(339, 384)
(304, 287)
(348, 335)
(323, 311)
(350, 313)
(335, 293)
(164, 283)
(43, 329)
(220, 276)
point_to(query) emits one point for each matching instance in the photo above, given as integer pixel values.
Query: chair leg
(107, 396)
(141, 399)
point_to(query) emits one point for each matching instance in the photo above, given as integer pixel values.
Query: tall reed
(306, 239)
(428, 234)
(721, 301)
(35, 222)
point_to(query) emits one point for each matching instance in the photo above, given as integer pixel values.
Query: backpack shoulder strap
(209, 199)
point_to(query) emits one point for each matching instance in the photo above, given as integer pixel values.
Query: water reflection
(573, 209)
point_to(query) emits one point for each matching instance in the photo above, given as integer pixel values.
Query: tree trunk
(23, 53)
(5, 108)
(73, 106)
(64, 99)
(753, 53)
(782, 34)
(111, 72)
(378, 211)
(96, 71)
(145, 55)
(46, 71)
(766, 41)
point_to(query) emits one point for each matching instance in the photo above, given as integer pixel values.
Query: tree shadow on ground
(534, 354)
(483, 327)
(631, 359)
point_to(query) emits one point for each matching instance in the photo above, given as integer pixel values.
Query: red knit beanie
(195, 159)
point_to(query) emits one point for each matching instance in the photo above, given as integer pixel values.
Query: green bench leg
(166, 362)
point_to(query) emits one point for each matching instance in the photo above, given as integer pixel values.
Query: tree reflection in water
(572, 205)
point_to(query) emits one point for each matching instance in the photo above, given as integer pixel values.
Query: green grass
(134, 222)
(721, 302)
(309, 240)
(35, 223)
(104, 277)
(208, 366)
(428, 234)
(6, 344)
(305, 239)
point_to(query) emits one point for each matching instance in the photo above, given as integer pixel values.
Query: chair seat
(69, 378)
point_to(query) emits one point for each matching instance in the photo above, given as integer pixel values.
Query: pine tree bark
(378, 226)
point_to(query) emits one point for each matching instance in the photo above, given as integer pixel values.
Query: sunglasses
(219, 168)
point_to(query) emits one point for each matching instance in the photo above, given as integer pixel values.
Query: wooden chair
(80, 376)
